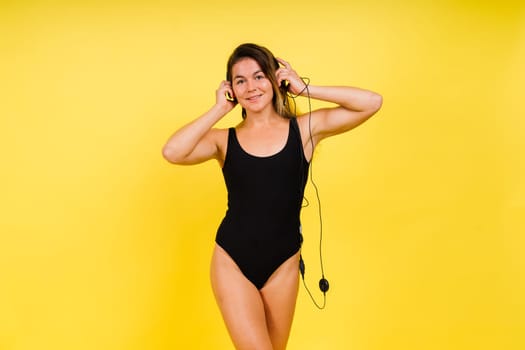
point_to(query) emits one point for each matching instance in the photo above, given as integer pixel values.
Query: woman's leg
(240, 303)
(279, 295)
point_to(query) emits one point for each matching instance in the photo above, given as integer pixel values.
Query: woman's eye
(239, 81)
(259, 77)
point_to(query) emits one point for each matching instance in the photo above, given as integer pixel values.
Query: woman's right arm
(197, 142)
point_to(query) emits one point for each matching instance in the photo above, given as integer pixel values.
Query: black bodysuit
(261, 229)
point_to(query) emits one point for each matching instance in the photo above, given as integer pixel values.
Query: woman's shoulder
(219, 135)
(304, 121)
(304, 117)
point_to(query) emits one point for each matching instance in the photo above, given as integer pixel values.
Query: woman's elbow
(376, 102)
(171, 155)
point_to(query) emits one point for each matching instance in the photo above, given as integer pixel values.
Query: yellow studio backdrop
(105, 245)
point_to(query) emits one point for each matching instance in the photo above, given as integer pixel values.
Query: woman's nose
(251, 85)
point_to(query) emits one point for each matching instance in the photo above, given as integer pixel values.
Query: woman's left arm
(355, 105)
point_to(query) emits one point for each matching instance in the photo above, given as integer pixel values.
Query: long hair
(269, 65)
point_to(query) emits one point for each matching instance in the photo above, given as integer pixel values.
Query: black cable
(302, 269)
(313, 182)
(323, 283)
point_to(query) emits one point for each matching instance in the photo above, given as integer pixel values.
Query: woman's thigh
(279, 296)
(240, 303)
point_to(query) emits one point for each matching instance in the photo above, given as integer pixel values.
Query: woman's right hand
(221, 99)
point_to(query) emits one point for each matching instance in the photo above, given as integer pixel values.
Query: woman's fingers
(225, 92)
(283, 62)
(286, 73)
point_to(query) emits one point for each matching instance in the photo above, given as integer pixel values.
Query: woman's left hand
(296, 84)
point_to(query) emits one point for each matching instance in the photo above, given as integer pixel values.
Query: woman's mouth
(253, 98)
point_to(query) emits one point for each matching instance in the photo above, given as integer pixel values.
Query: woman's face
(250, 85)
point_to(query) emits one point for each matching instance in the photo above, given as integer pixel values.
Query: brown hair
(269, 65)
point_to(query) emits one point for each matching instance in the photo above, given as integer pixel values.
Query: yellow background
(105, 245)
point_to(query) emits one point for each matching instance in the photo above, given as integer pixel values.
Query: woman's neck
(262, 119)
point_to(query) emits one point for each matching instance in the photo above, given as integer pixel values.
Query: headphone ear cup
(229, 97)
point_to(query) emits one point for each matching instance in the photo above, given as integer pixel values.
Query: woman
(264, 159)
